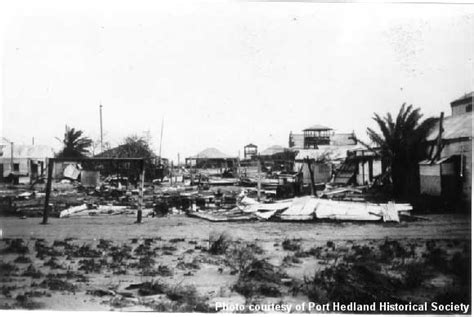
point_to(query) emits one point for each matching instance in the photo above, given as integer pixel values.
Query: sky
(225, 73)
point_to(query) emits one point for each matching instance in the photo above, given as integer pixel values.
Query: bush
(16, 246)
(461, 266)
(392, 249)
(259, 278)
(32, 272)
(58, 285)
(219, 243)
(7, 268)
(315, 251)
(437, 258)
(187, 299)
(241, 257)
(414, 274)
(291, 244)
(347, 283)
(24, 302)
(22, 259)
(456, 295)
(291, 259)
(148, 288)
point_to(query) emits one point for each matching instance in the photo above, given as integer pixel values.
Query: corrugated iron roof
(465, 96)
(454, 127)
(27, 151)
(325, 151)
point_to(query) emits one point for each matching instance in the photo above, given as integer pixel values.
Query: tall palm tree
(401, 146)
(75, 145)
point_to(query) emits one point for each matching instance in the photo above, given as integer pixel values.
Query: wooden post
(140, 192)
(311, 175)
(238, 165)
(171, 174)
(439, 141)
(48, 191)
(363, 172)
(259, 180)
(440, 137)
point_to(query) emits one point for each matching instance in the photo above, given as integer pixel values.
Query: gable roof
(317, 127)
(454, 127)
(273, 150)
(211, 153)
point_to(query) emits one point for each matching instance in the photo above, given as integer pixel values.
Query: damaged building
(447, 172)
(333, 157)
(211, 158)
(26, 163)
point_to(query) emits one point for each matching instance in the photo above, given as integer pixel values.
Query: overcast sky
(223, 74)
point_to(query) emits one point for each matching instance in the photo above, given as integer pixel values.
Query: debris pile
(213, 197)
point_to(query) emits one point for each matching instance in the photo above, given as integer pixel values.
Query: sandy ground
(122, 227)
(179, 243)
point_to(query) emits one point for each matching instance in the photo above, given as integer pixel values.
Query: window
(469, 108)
(16, 167)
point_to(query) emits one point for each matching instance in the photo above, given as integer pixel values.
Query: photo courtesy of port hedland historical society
(236, 156)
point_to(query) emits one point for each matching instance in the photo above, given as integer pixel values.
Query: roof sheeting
(27, 151)
(324, 152)
(454, 127)
(440, 161)
(341, 139)
(211, 153)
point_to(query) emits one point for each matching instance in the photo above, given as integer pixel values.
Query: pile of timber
(344, 194)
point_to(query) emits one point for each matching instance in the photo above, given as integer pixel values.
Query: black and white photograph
(230, 156)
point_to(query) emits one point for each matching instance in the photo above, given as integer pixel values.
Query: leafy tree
(401, 147)
(134, 147)
(74, 143)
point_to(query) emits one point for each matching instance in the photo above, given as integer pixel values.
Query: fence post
(48, 191)
(140, 192)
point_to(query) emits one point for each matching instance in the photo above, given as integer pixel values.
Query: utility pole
(33, 141)
(101, 131)
(238, 164)
(11, 157)
(161, 136)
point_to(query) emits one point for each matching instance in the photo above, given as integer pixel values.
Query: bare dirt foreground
(179, 263)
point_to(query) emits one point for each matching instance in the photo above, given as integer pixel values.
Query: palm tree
(75, 145)
(401, 146)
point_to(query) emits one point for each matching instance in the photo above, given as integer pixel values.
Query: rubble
(269, 196)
